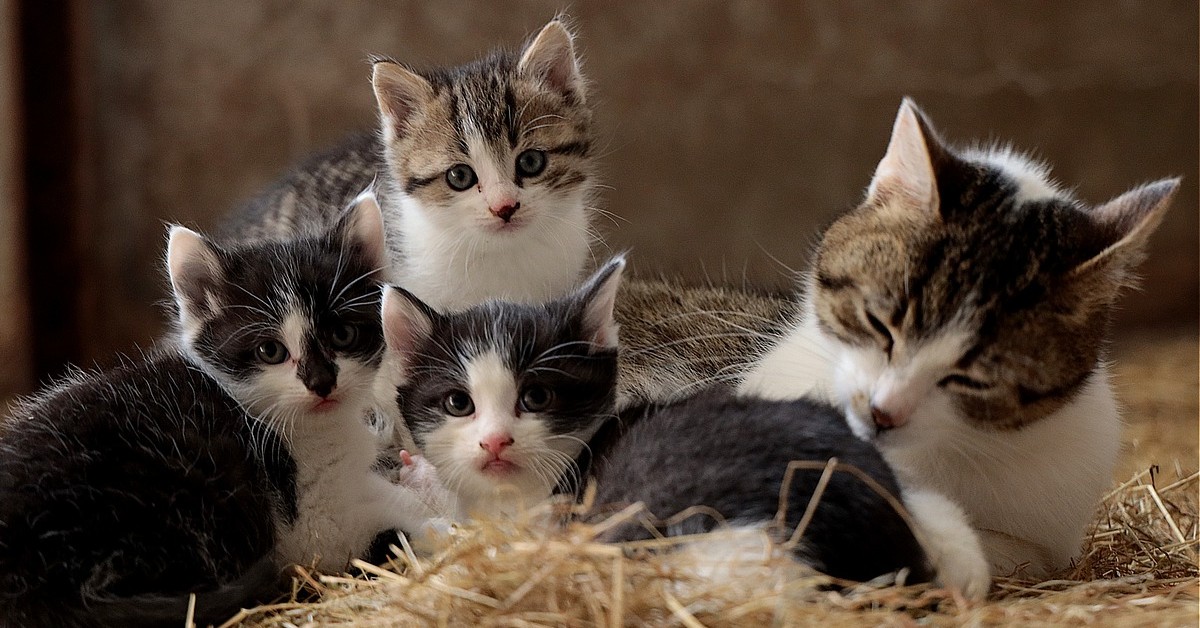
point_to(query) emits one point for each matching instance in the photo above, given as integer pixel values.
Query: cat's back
(145, 478)
(731, 453)
(678, 339)
(311, 196)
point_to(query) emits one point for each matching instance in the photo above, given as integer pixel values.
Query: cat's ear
(907, 168)
(597, 299)
(195, 271)
(401, 94)
(1127, 222)
(361, 227)
(551, 57)
(407, 321)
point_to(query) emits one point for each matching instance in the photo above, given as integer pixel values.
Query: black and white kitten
(503, 400)
(204, 471)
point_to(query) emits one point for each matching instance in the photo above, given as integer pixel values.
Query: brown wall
(734, 129)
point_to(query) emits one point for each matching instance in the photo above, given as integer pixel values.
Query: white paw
(951, 544)
(429, 537)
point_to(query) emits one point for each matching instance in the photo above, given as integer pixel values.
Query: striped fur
(960, 315)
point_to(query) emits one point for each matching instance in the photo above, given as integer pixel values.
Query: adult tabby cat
(959, 317)
(484, 172)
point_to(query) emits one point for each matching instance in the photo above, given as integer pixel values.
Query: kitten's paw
(951, 544)
(429, 537)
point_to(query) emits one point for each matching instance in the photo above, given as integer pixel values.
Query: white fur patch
(1031, 176)
(455, 448)
(952, 546)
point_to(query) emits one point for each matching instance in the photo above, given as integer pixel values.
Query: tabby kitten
(484, 171)
(959, 317)
(124, 490)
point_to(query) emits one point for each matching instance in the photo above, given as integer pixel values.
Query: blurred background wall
(734, 129)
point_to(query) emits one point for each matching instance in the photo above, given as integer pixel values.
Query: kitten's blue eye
(343, 336)
(964, 382)
(536, 398)
(531, 163)
(460, 177)
(271, 352)
(458, 403)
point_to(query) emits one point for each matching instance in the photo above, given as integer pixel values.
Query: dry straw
(1139, 568)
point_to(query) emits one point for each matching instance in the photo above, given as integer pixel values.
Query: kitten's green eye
(344, 336)
(882, 330)
(271, 352)
(458, 403)
(536, 398)
(531, 163)
(460, 177)
(964, 382)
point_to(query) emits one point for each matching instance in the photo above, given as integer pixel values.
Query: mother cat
(959, 316)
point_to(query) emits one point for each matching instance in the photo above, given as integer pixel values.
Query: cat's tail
(261, 582)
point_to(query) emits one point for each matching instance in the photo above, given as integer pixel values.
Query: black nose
(319, 375)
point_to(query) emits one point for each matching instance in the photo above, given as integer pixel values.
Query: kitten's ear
(362, 226)
(907, 167)
(551, 57)
(406, 320)
(1128, 221)
(597, 299)
(195, 272)
(400, 93)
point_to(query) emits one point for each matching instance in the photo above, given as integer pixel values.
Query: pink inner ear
(404, 324)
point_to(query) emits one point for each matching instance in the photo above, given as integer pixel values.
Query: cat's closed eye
(958, 380)
(271, 352)
(460, 177)
(882, 330)
(458, 403)
(536, 398)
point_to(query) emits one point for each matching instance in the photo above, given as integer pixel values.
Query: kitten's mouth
(324, 405)
(498, 467)
(501, 226)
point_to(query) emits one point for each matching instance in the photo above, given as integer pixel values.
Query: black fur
(123, 492)
(326, 278)
(731, 453)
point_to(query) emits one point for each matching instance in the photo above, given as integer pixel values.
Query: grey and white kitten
(509, 402)
(484, 171)
(500, 398)
(959, 317)
(205, 470)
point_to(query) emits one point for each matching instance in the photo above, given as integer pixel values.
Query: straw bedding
(1139, 566)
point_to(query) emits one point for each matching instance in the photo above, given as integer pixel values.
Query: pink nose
(505, 211)
(496, 443)
(886, 420)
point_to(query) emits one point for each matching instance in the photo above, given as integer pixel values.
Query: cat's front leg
(400, 508)
(953, 547)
